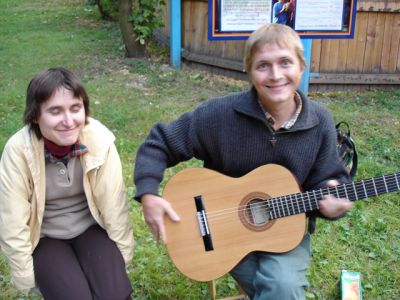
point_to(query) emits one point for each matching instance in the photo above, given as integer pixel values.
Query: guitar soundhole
(254, 212)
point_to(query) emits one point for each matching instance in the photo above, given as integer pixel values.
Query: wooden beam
(336, 78)
(214, 61)
(382, 5)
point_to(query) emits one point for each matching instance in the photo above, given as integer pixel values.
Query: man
(273, 122)
(280, 13)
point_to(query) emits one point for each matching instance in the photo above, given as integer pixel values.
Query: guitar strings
(281, 204)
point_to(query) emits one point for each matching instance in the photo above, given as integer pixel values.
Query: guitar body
(233, 231)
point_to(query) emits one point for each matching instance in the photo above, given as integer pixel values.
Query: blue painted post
(175, 34)
(305, 79)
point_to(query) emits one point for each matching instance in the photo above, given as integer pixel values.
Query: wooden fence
(370, 59)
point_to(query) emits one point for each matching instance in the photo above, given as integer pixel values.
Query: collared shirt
(289, 123)
(77, 149)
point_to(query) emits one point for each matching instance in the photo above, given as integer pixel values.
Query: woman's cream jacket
(22, 196)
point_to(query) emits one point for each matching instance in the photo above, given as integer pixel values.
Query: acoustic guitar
(225, 218)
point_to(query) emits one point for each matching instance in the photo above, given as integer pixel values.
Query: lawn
(130, 95)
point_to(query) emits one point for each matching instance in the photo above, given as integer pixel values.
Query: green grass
(130, 95)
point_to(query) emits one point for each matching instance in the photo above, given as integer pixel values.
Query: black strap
(350, 143)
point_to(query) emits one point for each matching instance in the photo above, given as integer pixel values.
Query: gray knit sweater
(231, 135)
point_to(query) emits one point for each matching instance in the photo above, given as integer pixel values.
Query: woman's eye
(55, 112)
(76, 108)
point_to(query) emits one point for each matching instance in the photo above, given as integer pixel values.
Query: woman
(64, 222)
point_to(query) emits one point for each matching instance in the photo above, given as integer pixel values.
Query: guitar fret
(303, 200)
(293, 209)
(365, 190)
(309, 200)
(355, 191)
(284, 206)
(361, 189)
(271, 205)
(303, 203)
(381, 188)
(315, 197)
(373, 191)
(337, 192)
(321, 191)
(342, 192)
(280, 207)
(376, 192)
(392, 183)
(297, 203)
(298, 206)
(345, 191)
(287, 206)
(384, 181)
(273, 208)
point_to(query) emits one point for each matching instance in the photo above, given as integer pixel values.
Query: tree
(108, 9)
(132, 45)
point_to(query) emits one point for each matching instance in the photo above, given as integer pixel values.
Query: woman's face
(62, 118)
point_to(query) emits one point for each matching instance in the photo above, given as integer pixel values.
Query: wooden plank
(352, 49)
(166, 19)
(378, 6)
(187, 26)
(394, 44)
(378, 47)
(398, 50)
(359, 79)
(325, 55)
(194, 26)
(334, 55)
(370, 42)
(315, 55)
(361, 41)
(385, 63)
(343, 46)
(199, 25)
(233, 50)
(356, 49)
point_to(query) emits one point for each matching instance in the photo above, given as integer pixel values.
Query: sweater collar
(247, 104)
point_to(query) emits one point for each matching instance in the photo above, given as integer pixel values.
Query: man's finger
(172, 214)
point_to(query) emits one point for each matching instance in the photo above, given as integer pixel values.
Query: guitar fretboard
(288, 205)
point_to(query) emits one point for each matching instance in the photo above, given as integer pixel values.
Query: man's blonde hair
(275, 34)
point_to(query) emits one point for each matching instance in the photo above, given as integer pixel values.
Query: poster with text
(237, 19)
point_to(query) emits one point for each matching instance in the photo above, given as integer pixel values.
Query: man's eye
(262, 66)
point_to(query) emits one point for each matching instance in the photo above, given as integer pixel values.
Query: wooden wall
(370, 59)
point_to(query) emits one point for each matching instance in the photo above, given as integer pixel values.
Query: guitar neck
(288, 205)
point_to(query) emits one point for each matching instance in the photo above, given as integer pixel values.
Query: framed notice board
(237, 19)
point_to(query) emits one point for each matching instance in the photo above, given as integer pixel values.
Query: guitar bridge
(203, 223)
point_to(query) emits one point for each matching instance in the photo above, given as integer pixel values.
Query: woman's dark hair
(43, 86)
